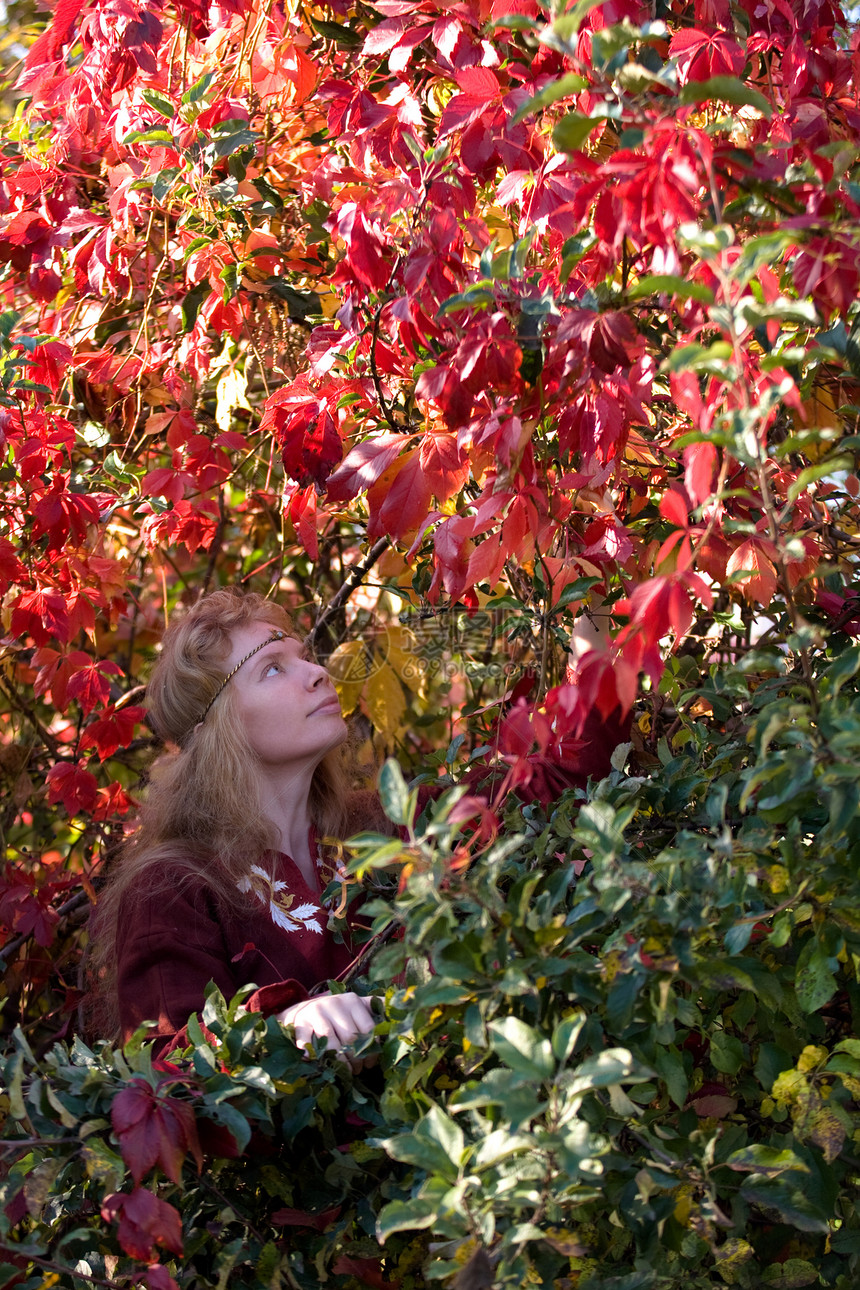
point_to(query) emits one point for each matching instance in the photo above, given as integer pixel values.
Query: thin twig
(63, 1269)
(344, 592)
(12, 1144)
(47, 738)
(74, 902)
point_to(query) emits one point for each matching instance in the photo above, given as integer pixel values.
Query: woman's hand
(337, 1018)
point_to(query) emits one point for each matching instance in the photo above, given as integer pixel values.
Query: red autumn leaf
(89, 684)
(675, 507)
(365, 247)
(112, 801)
(364, 465)
(11, 568)
(217, 1140)
(704, 54)
(64, 516)
(407, 502)
(445, 465)
(40, 614)
(145, 1222)
(368, 1272)
(112, 730)
(306, 431)
(605, 682)
(73, 785)
(48, 363)
(303, 1218)
(606, 539)
(700, 461)
(486, 562)
(166, 481)
(55, 669)
(153, 1129)
(301, 507)
(26, 911)
(754, 570)
(714, 1100)
(156, 1277)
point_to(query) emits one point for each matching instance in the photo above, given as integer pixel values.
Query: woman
(223, 880)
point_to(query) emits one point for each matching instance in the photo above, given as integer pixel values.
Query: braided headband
(276, 635)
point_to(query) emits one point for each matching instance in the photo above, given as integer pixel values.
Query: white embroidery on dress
(276, 894)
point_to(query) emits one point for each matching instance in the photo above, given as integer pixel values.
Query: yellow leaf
(819, 413)
(811, 1057)
(404, 656)
(231, 393)
(385, 700)
(777, 876)
(347, 667)
(827, 1131)
(684, 1205)
(730, 1258)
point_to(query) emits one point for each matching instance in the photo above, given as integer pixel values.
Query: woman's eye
(272, 667)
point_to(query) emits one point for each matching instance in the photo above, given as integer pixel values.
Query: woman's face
(287, 704)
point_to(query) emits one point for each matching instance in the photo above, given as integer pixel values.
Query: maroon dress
(179, 937)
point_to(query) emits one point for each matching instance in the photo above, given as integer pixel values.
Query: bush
(621, 1052)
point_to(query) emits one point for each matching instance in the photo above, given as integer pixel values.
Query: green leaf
(423, 1155)
(568, 24)
(566, 1034)
(788, 1201)
(570, 83)
(163, 182)
(159, 137)
(571, 131)
(727, 1052)
(819, 471)
(670, 1068)
(815, 980)
(725, 89)
(406, 1216)
(612, 1066)
(346, 36)
(700, 358)
(521, 1048)
(227, 142)
(102, 1164)
(793, 1274)
(197, 93)
(670, 285)
(479, 295)
(397, 801)
(438, 1128)
(574, 591)
(160, 102)
(842, 669)
(762, 1159)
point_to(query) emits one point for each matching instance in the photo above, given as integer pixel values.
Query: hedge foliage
(619, 1052)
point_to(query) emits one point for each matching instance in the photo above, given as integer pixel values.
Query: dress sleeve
(171, 946)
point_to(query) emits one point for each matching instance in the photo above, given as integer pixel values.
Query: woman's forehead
(258, 635)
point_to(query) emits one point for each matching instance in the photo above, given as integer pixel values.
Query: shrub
(622, 1051)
